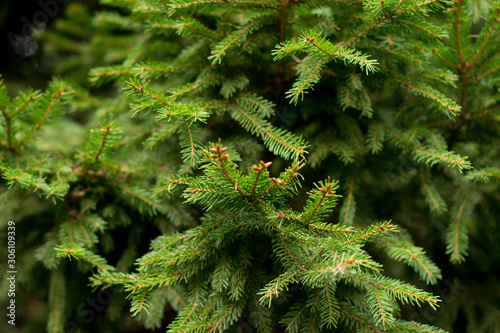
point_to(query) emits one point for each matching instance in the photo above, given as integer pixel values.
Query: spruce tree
(204, 158)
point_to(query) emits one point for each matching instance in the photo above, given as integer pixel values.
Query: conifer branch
(456, 24)
(359, 320)
(457, 236)
(362, 33)
(234, 39)
(257, 103)
(276, 285)
(219, 151)
(55, 97)
(298, 265)
(404, 292)
(318, 46)
(381, 310)
(428, 272)
(306, 80)
(227, 315)
(57, 301)
(150, 282)
(154, 67)
(443, 59)
(330, 227)
(399, 53)
(136, 86)
(326, 191)
(73, 250)
(101, 75)
(189, 3)
(369, 233)
(194, 25)
(275, 139)
(418, 4)
(437, 203)
(444, 76)
(349, 207)
(432, 156)
(330, 303)
(135, 195)
(101, 141)
(32, 97)
(413, 24)
(294, 317)
(190, 87)
(8, 121)
(368, 64)
(399, 248)
(450, 107)
(104, 133)
(192, 153)
(402, 326)
(375, 137)
(399, 5)
(485, 37)
(263, 324)
(487, 73)
(259, 169)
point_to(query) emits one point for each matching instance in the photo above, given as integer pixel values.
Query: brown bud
(277, 181)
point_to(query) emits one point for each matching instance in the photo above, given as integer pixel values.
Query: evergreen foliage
(146, 174)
